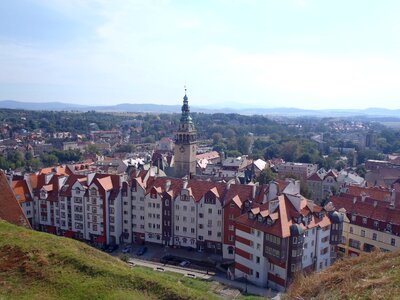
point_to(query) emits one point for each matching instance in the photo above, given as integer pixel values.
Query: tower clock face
(182, 149)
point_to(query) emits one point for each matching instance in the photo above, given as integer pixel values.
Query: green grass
(35, 265)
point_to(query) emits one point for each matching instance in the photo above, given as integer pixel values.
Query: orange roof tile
(10, 209)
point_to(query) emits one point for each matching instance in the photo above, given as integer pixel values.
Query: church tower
(185, 144)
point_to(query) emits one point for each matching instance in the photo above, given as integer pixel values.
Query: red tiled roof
(376, 193)
(10, 209)
(283, 217)
(314, 177)
(21, 190)
(208, 155)
(369, 208)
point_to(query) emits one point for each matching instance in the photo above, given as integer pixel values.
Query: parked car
(170, 259)
(184, 263)
(111, 248)
(142, 250)
(127, 249)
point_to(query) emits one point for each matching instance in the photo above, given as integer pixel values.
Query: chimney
(254, 191)
(167, 185)
(297, 186)
(228, 185)
(363, 196)
(185, 182)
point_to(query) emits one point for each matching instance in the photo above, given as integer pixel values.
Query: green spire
(186, 110)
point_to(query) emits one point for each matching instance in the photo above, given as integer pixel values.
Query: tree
(305, 158)
(266, 176)
(243, 144)
(305, 190)
(230, 133)
(92, 149)
(272, 151)
(217, 138)
(49, 159)
(289, 151)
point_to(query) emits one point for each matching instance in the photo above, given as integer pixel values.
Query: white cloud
(145, 50)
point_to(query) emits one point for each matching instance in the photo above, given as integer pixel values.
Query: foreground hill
(370, 276)
(35, 265)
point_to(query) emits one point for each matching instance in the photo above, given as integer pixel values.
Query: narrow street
(251, 289)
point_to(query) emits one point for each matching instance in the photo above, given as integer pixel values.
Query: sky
(257, 53)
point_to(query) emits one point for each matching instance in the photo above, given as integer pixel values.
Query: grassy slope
(370, 276)
(36, 265)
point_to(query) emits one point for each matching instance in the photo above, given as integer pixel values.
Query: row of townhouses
(268, 231)
(371, 219)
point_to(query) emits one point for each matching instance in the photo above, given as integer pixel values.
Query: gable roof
(283, 217)
(10, 209)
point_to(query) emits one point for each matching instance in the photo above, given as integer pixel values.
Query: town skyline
(300, 54)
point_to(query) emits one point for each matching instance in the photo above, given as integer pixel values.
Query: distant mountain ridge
(161, 108)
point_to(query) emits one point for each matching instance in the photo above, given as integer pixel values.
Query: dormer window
(269, 221)
(232, 204)
(247, 204)
(353, 218)
(43, 194)
(260, 219)
(389, 227)
(93, 192)
(251, 215)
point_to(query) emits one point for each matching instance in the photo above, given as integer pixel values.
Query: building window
(231, 228)
(376, 224)
(363, 233)
(354, 243)
(374, 236)
(210, 211)
(393, 242)
(351, 229)
(166, 202)
(209, 233)
(232, 204)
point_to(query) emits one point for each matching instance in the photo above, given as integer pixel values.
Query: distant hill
(36, 265)
(370, 276)
(159, 108)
